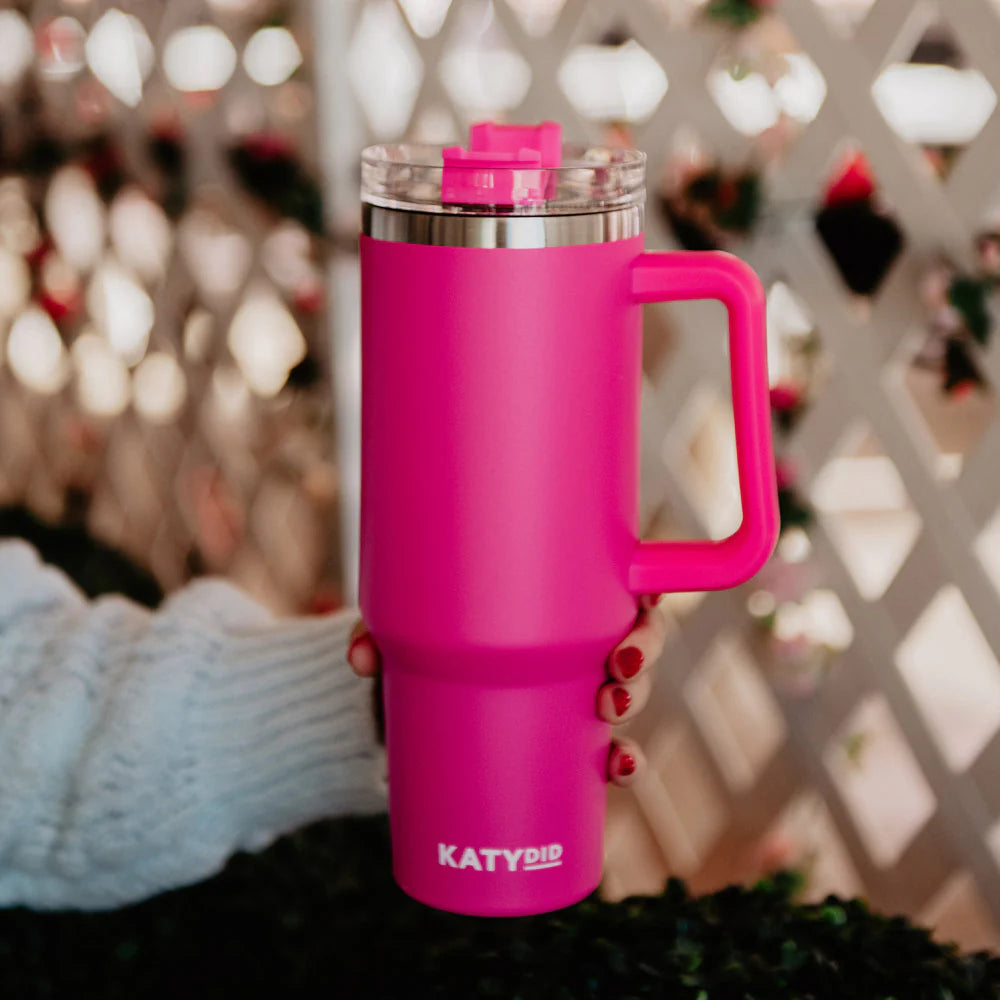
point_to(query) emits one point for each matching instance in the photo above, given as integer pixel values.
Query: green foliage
(960, 370)
(969, 296)
(793, 511)
(733, 198)
(741, 215)
(269, 170)
(737, 12)
(318, 914)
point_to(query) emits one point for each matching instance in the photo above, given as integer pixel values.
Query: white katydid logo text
(526, 859)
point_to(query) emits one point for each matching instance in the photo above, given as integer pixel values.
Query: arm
(139, 750)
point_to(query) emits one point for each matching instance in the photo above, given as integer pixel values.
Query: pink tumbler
(502, 291)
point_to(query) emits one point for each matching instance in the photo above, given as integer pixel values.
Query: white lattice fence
(130, 319)
(883, 777)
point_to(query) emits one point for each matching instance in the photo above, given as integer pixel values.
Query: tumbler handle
(662, 567)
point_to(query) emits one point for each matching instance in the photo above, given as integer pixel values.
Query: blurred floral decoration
(959, 318)
(799, 625)
(269, 169)
(861, 236)
(793, 511)
(738, 13)
(161, 290)
(710, 207)
(55, 285)
(789, 609)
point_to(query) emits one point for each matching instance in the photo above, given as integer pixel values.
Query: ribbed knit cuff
(285, 731)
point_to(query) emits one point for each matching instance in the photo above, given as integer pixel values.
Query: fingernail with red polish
(629, 661)
(622, 699)
(354, 645)
(626, 764)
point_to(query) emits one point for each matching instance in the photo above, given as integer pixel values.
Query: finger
(618, 703)
(626, 762)
(362, 654)
(641, 648)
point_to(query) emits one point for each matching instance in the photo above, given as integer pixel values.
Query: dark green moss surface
(318, 914)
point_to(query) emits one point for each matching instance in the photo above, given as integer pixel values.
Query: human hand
(619, 699)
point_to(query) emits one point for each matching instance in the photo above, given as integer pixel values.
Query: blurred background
(179, 365)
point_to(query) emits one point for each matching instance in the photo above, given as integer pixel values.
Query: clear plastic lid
(503, 176)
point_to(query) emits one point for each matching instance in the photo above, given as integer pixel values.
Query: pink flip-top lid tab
(545, 138)
(504, 165)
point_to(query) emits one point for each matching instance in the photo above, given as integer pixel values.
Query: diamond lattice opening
(613, 79)
(680, 799)
(537, 17)
(958, 913)
(855, 225)
(384, 68)
(59, 46)
(265, 341)
(863, 503)
(935, 100)
(121, 55)
(736, 712)
(708, 464)
(764, 81)
(16, 46)
(159, 388)
(658, 519)
(953, 676)
(425, 16)
(218, 255)
(805, 839)
(879, 780)
(435, 125)
(290, 538)
(199, 59)
(271, 56)
(797, 366)
(75, 217)
(801, 628)
(844, 16)
(483, 73)
(946, 416)
(634, 864)
(701, 449)
(988, 549)
(141, 233)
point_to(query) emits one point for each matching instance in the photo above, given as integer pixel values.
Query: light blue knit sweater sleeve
(139, 749)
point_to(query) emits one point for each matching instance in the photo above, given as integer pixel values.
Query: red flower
(62, 307)
(785, 473)
(785, 397)
(853, 181)
(39, 251)
(267, 146)
(167, 130)
(727, 196)
(308, 297)
(102, 161)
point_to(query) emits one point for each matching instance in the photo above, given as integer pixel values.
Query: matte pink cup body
(500, 560)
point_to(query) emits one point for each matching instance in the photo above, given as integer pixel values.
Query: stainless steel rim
(519, 232)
